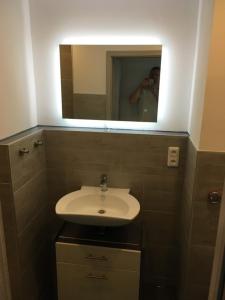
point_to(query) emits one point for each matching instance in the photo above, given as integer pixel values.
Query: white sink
(91, 206)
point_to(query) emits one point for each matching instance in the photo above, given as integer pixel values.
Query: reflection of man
(146, 96)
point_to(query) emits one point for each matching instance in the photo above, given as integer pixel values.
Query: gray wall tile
(89, 106)
(161, 200)
(30, 199)
(5, 175)
(66, 62)
(33, 237)
(159, 228)
(197, 292)
(10, 231)
(200, 265)
(204, 173)
(25, 206)
(66, 80)
(24, 167)
(160, 262)
(36, 278)
(204, 223)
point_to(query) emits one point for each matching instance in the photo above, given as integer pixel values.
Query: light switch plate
(173, 157)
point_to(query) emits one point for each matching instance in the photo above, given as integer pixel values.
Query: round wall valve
(214, 197)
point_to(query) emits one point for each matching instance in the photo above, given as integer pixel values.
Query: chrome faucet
(103, 183)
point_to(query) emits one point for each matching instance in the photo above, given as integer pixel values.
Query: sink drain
(101, 211)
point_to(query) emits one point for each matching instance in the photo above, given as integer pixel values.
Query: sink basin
(91, 206)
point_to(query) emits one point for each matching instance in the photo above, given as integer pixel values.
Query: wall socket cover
(173, 156)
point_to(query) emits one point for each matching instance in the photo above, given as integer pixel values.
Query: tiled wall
(26, 217)
(66, 80)
(9, 222)
(89, 106)
(130, 160)
(4, 186)
(4, 275)
(205, 172)
(79, 106)
(186, 214)
(31, 184)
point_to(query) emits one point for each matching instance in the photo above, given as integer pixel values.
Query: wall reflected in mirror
(112, 82)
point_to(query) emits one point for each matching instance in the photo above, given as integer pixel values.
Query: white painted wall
(200, 69)
(170, 23)
(17, 90)
(213, 120)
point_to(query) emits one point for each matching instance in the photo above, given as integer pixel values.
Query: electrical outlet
(173, 156)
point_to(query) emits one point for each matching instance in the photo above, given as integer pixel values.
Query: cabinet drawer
(85, 283)
(112, 258)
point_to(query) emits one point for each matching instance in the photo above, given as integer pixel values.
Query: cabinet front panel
(77, 282)
(112, 258)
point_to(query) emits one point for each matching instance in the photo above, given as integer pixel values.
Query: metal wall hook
(38, 143)
(23, 151)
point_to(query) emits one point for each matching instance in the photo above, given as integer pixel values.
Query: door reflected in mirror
(112, 82)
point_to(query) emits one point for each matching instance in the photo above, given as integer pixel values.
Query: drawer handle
(100, 258)
(101, 277)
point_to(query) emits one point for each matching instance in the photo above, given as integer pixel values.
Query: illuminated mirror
(110, 82)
